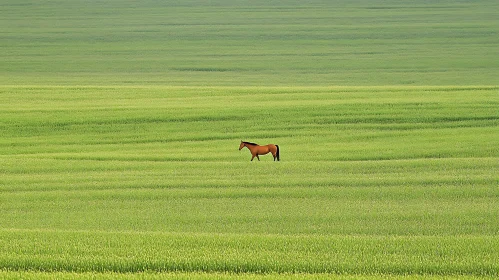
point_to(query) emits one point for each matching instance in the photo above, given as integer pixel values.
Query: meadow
(120, 123)
(372, 181)
(249, 43)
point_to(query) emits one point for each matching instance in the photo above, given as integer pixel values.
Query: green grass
(120, 123)
(374, 182)
(241, 43)
(217, 253)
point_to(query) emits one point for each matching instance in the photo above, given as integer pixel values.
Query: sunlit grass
(374, 181)
(120, 123)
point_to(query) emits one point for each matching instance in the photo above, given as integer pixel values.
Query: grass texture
(120, 123)
(242, 43)
(374, 181)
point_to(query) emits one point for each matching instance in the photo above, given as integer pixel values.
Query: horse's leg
(258, 157)
(273, 152)
(252, 157)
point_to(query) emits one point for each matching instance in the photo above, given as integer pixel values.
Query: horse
(256, 150)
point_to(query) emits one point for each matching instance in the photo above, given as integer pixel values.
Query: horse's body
(257, 150)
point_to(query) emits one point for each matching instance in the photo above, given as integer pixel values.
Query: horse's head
(242, 145)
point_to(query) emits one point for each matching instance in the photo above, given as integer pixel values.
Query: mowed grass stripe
(338, 115)
(131, 252)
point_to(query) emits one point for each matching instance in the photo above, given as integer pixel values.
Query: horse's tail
(277, 153)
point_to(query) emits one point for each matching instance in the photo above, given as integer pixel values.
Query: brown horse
(256, 150)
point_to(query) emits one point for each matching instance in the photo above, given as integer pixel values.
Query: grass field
(243, 43)
(373, 181)
(120, 123)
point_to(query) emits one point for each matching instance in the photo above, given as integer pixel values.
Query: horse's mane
(250, 143)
